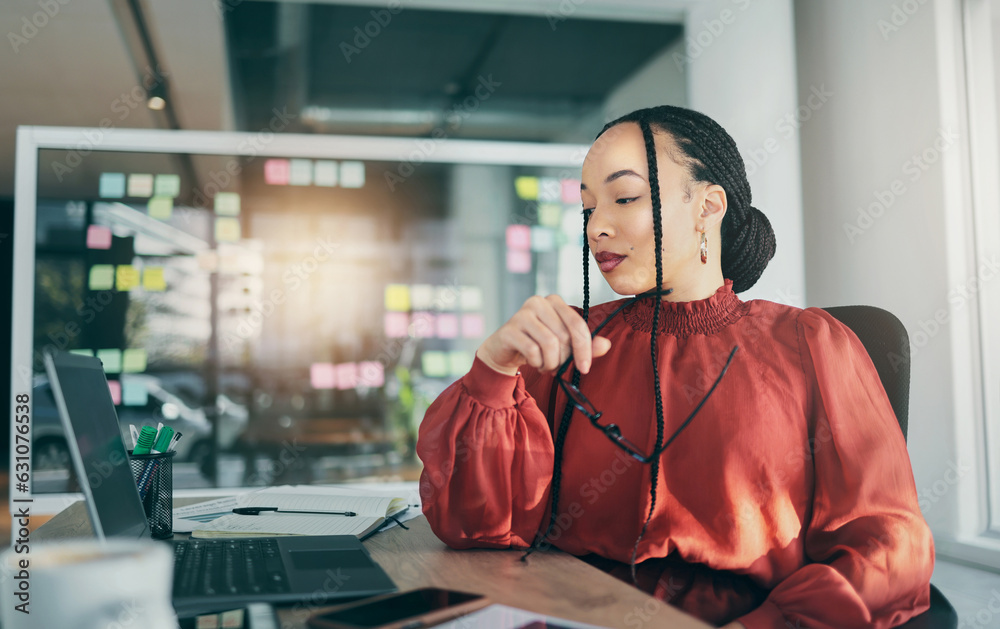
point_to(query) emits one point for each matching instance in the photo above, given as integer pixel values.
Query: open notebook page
(374, 506)
(255, 525)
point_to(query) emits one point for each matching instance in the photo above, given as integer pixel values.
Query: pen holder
(154, 477)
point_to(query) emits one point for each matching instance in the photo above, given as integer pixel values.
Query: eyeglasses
(612, 431)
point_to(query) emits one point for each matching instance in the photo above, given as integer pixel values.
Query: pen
(257, 511)
(173, 441)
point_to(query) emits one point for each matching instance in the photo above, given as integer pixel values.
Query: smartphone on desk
(403, 610)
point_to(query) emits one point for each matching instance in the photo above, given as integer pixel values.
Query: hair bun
(752, 248)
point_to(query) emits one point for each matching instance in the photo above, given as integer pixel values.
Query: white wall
(739, 59)
(890, 100)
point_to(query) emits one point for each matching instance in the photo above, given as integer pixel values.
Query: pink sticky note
(116, 391)
(447, 325)
(98, 237)
(397, 324)
(347, 375)
(518, 261)
(473, 326)
(371, 373)
(277, 172)
(422, 325)
(518, 237)
(322, 376)
(571, 190)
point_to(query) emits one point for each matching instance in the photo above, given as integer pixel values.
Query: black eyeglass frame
(612, 431)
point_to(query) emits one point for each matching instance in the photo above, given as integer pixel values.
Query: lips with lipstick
(608, 260)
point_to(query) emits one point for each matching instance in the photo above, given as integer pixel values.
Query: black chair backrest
(888, 345)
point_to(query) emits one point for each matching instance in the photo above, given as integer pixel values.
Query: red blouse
(789, 497)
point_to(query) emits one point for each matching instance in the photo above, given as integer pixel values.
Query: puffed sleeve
(487, 453)
(870, 552)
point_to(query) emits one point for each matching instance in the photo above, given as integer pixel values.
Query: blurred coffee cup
(87, 584)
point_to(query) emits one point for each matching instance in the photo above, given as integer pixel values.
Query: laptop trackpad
(328, 559)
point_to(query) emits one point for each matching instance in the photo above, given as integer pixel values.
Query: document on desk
(371, 512)
(504, 617)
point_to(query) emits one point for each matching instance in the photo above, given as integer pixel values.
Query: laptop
(208, 574)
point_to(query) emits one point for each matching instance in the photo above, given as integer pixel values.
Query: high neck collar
(684, 318)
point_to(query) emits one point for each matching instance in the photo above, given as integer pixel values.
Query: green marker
(163, 440)
(145, 441)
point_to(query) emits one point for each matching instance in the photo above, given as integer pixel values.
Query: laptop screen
(88, 413)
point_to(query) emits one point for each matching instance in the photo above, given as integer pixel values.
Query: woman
(787, 498)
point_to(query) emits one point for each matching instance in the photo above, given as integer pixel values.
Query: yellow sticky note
(397, 297)
(152, 278)
(126, 277)
(102, 277)
(526, 188)
(160, 207)
(227, 229)
(134, 360)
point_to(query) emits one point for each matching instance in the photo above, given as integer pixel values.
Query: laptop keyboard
(228, 567)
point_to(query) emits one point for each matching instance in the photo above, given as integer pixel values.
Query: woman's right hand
(543, 334)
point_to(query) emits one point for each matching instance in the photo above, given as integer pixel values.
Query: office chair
(888, 345)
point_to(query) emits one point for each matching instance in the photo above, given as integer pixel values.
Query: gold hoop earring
(704, 248)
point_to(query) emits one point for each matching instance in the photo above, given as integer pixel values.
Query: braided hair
(710, 156)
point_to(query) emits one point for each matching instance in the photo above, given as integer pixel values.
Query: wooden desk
(551, 582)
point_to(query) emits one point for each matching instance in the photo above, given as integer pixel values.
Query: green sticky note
(460, 362)
(112, 359)
(550, 214)
(102, 277)
(227, 204)
(134, 360)
(167, 186)
(160, 207)
(434, 364)
(134, 393)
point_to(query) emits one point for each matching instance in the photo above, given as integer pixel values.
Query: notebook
(372, 512)
(209, 574)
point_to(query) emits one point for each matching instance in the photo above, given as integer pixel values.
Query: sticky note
(111, 186)
(160, 207)
(542, 238)
(549, 190)
(352, 174)
(421, 296)
(347, 375)
(82, 352)
(167, 186)
(116, 391)
(140, 185)
(152, 279)
(526, 188)
(397, 325)
(102, 277)
(518, 237)
(126, 277)
(473, 326)
(434, 364)
(227, 204)
(134, 393)
(371, 373)
(301, 172)
(459, 362)
(570, 190)
(397, 297)
(422, 325)
(518, 261)
(227, 229)
(325, 173)
(134, 360)
(447, 325)
(471, 298)
(98, 237)
(445, 297)
(322, 376)
(277, 172)
(111, 359)
(550, 214)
